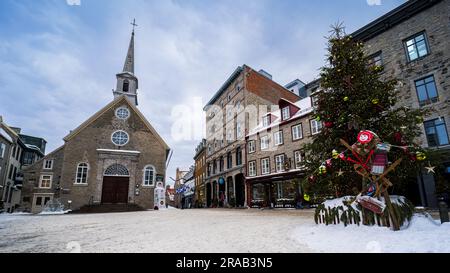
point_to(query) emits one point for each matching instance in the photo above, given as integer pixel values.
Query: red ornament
(328, 163)
(365, 137)
(328, 124)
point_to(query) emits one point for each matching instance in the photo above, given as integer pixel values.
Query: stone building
(244, 97)
(179, 182)
(200, 174)
(113, 159)
(412, 44)
(275, 154)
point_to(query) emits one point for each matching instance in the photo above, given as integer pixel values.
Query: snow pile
(54, 207)
(338, 202)
(58, 212)
(423, 235)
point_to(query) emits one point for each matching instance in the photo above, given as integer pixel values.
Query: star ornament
(430, 168)
(340, 172)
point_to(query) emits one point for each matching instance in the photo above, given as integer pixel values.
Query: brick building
(237, 105)
(200, 174)
(114, 159)
(275, 154)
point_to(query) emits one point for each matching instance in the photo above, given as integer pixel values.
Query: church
(113, 159)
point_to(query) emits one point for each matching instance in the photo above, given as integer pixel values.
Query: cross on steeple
(134, 24)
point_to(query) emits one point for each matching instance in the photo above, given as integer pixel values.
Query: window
(416, 47)
(278, 136)
(117, 170)
(297, 132)
(119, 138)
(299, 157)
(265, 166)
(122, 113)
(375, 60)
(316, 126)
(46, 181)
(266, 121)
(214, 167)
(230, 135)
(82, 172)
(149, 176)
(238, 156)
(285, 113)
(48, 164)
(426, 91)
(38, 201)
(2, 150)
(238, 106)
(126, 86)
(315, 101)
(251, 146)
(229, 113)
(252, 168)
(436, 132)
(279, 163)
(264, 142)
(238, 130)
(229, 161)
(221, 164)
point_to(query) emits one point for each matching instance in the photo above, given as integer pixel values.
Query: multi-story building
(200, 174)
(244, 97)
(178, 186)
(412, 44)
(275, 154)
(34, 149)
(188, 189)
(12, 179)
(297, 87)
(6, 145)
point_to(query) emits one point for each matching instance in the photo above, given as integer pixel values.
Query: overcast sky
(58, 58)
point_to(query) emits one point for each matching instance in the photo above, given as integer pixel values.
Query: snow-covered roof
(304, 105)
(5, 135)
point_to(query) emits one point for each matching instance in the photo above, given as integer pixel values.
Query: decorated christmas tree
(356, 96)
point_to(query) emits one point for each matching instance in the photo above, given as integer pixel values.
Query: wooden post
(392, 213)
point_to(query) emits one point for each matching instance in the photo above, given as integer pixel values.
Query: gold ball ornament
(346, 98)
(335, 154)
(375, 101)
(322, 169)
(421, 156)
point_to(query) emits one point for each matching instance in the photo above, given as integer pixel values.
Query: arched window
(82, 173)
(149, 176)
(126, 86)
(117, 170)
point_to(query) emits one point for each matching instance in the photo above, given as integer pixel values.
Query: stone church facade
(114, 157)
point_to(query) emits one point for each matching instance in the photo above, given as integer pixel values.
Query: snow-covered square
(211, 231)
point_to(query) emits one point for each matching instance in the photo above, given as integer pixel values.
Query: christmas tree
(356, 96)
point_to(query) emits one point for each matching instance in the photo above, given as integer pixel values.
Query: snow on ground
(423, 235)
(171, 230)
(210, 230)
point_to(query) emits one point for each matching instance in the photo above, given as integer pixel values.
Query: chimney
(265, 74)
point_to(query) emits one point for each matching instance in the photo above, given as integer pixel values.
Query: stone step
(106, 208)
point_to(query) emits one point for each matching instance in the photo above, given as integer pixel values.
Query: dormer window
(126, 86)
(266, 121)
(286, 114)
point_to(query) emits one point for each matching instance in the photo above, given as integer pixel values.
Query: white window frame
(285, 113)
(42, 178)
(122, 108)
(252, 168)
(298, 158)
(316, 126)
(251, 146)
(238, 130)
(266, 121)
(278, 136)
(265, 165)
(45, 164)
(87, 174)
(2, 150)
(297, 132)
(128, 138)
(144, 181)
(265, 140)
(279, 163)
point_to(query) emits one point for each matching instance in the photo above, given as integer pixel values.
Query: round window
(120, 138)
(122, 113)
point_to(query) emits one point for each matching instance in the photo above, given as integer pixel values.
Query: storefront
(275, 191)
